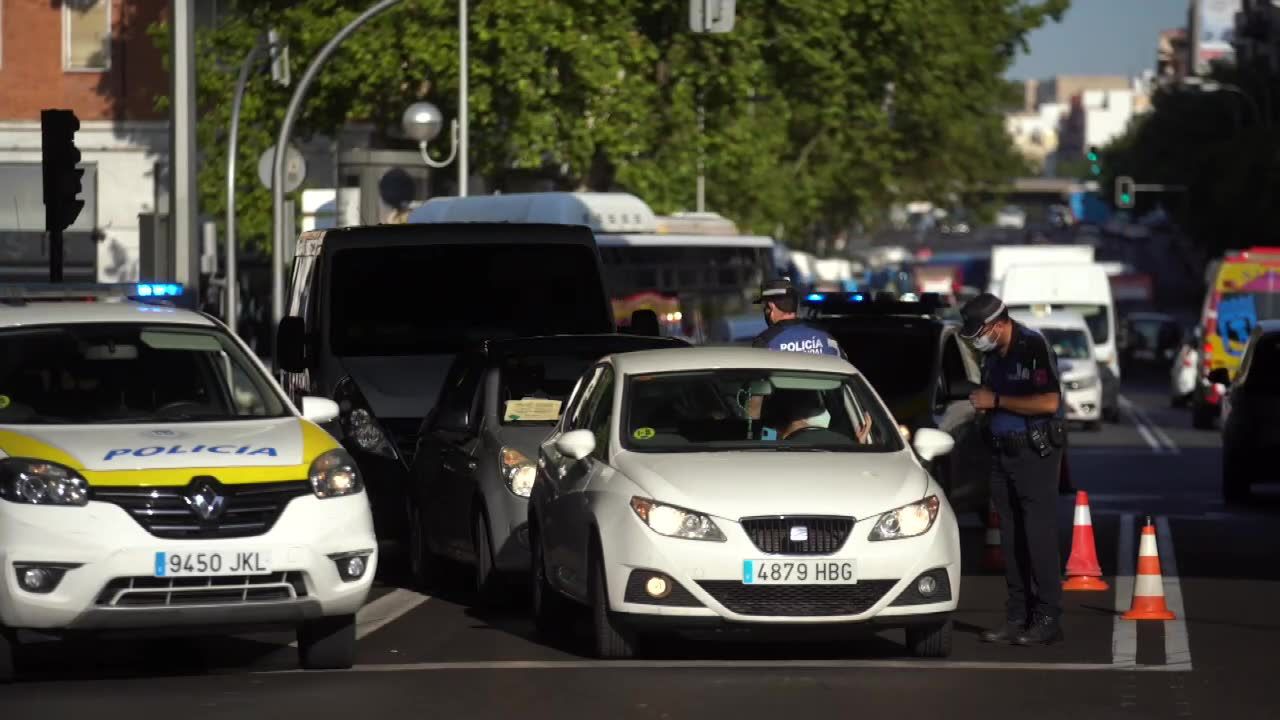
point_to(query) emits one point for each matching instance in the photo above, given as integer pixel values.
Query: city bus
(692, 269)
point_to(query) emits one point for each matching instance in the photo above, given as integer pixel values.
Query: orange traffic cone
(1083, 570)
(1148, 588)
(992, 554)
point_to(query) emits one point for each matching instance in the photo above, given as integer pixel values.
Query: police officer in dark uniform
(1021, 400)
(786, 331)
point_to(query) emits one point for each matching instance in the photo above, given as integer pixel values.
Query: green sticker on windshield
(4, 401)
(644, 433)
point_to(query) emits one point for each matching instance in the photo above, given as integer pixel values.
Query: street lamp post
(422, 121)
(282, 143)
(463, 132)
(233, 139)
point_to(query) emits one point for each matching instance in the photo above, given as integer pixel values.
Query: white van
(1080, 287)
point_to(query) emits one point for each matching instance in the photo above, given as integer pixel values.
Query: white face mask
(983, 343)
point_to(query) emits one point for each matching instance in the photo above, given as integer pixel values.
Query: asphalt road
(438, 657)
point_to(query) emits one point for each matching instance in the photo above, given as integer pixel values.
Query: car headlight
(518, 470)
(358, 422)
(676, 522)
(1083, 383)
(39, 482)
(907, 521)
(335, 474)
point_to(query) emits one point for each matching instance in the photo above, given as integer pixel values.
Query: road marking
(1124, 633)
(1151, 433)
(1177, 644)
(727, 665)
(384, 611)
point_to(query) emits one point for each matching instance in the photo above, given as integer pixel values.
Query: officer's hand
(982, 399)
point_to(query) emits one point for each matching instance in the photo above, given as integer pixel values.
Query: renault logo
(204, 499)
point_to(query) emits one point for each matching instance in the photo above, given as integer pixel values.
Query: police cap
(776, 290)
(980, 312)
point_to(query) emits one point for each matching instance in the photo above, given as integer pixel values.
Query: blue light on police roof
(816, 297)
(857, 298)
(158, 290)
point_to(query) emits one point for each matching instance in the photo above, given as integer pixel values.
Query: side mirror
(576, 444)
(931, 443)
(960, 390)
(1219, 376)
(291, 339)
(319, 410)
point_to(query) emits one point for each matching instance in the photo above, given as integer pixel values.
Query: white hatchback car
(710, 485)
(1068, 335)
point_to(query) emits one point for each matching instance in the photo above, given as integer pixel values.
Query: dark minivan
(375, 316)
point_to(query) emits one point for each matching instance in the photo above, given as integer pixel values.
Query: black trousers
(1025, 491)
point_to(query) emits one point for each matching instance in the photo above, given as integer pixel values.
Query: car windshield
(128, 373)
(1097, 317)
(424, 299)
(533, 388)
(897, 361)
(1068, 344)
(774, 410)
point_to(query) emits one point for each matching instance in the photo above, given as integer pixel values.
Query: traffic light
(1126, 192)
(1095, 161)
(62, 176)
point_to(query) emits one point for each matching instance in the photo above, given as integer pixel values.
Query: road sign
(295, 168)
(711, 16)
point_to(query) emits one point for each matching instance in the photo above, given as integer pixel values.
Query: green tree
(816, 113)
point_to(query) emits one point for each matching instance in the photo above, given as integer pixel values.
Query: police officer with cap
(1021, 399)
(786, 331)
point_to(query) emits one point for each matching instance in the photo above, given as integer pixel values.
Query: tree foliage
(1222, 147)
(816, 113)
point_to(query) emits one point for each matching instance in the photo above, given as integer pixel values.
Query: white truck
(1063, 277)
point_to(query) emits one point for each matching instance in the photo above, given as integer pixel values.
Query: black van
(375, 315)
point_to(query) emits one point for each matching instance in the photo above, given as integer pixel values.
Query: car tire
(1092, 426)
(551, 610)
(1111, 413)
(1236, 472)
(327, 643)
(424, 566)
(487, 582)
(8, 655)
(929, 641)
(613, 640)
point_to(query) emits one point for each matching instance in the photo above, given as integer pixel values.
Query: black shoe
(1005, 635)
(1041, 631)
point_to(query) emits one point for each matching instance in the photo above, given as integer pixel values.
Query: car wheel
(1093, 426)
(1111, 413)
(423, 565)
(327, 643)
(1236, 473)
(487, 582)
(551, 610)
(930, 641)
(8, 655)
(613, 640)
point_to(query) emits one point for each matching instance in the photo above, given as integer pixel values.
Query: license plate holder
(211, 563)
(799, 571)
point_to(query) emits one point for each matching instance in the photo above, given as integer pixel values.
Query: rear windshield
(1097, 317)
(898, 362)
(425, 299)
(1068, 344)
(532, 389)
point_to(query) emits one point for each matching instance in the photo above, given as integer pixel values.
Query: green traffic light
(1093, 157)
(1126, 198)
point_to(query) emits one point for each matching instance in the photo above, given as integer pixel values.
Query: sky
(1100, 37)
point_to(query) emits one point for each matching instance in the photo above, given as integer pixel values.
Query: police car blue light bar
(79, 291)
(835, 297)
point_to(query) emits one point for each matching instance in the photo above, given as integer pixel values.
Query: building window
(86, 35)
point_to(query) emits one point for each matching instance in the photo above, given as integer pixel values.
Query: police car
(664, 500)
(154, 476)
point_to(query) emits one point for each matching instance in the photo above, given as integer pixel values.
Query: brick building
(96, 58)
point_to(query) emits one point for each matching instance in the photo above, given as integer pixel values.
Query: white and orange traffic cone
(993, 554)
(1148, 587)
(1083, 570)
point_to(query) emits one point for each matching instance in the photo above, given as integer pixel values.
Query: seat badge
(799, 533)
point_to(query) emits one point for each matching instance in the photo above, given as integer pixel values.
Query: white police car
(154, 476)
(705, 486)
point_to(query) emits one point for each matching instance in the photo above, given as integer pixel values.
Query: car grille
(144, 591)
(824, 535)
(164, 512)
(797, 600)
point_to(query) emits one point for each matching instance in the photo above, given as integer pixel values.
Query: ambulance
(154, 477)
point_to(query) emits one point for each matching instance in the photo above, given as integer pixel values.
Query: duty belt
(1016, 440)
